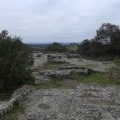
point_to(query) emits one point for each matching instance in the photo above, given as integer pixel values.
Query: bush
(114, 73)
(56, 47)
(15, 62)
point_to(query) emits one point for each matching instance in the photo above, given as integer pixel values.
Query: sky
(40, 21)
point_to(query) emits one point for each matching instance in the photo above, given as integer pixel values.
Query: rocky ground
(96, 65)
(83, 102)
(71, 64)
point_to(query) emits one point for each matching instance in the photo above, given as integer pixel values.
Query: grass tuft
(54, 64)
(12, 115)
(74, 79)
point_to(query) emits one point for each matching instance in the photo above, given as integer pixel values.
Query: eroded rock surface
(75, 64)
(17, 98)
(86, 102)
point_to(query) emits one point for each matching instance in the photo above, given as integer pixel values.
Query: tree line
(106, 42)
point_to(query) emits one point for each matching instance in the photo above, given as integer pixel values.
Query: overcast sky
(57, 20)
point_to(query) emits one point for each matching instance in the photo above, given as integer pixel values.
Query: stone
(100, 103)
(16, 99)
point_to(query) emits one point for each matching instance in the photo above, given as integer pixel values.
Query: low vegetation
(52, 64)
(114, 73)
(13, 114)
(98, 78)
(74, 79)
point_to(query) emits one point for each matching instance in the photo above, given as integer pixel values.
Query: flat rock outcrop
(62, 71)
(86, 102)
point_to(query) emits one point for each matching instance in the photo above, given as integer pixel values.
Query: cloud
(57, 20)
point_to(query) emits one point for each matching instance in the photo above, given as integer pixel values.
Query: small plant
(12, 115)
(114, 73)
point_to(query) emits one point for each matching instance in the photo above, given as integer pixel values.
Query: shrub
(114, 72)
(15, 62)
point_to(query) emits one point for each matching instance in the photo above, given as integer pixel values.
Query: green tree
(97, 49)
(56, 47)
(84, 47)
(106, 42)
(109, 34)
(15, 61)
